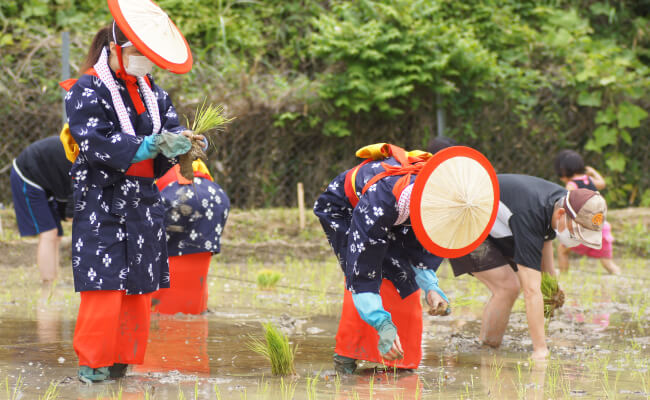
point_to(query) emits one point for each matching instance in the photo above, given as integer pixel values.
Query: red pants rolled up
(112, 327)
(188, 291)
(356, 339)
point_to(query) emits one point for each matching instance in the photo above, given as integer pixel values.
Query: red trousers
(112, 327)
(188, 291)
(356, 339)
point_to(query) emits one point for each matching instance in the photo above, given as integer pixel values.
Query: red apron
(356, 339)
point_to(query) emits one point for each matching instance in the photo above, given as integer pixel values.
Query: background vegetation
(310, 81)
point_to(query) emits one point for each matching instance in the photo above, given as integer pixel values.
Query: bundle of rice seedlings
(267, 279)
(208, 119)
(276, 349)
(553, 295)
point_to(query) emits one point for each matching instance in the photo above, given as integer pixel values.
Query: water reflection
(177, 344)
(383, 385)
(509, 378)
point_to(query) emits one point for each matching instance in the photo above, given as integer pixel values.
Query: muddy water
(600, 343)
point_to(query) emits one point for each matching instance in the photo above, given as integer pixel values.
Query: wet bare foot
(540, 354)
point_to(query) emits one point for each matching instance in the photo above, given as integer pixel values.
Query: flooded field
(599, 340)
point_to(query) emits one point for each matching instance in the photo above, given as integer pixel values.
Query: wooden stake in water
(301, 205)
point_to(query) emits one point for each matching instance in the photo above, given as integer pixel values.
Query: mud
(599, 339)
(185, 160)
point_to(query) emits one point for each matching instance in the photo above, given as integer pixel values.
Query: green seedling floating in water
(553, 296)
(276, 349)
(267, 279)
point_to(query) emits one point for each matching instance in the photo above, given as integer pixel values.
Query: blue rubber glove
(172, 144)
(370, 308)
(428, 280)
(148, 149)
(387, 335)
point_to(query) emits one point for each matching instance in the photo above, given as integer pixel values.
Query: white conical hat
(153, 33)
(454, 202)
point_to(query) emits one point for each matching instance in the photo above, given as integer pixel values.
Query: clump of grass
(267, 279)
(276, 349)
(553, 296)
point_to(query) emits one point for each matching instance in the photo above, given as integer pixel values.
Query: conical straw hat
(153, 33)
(454, 202)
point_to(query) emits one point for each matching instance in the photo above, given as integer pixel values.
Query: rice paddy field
(271, 271)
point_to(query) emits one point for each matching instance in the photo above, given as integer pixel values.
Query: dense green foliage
(552, 74)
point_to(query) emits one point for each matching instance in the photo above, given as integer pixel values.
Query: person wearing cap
(195, 216)
(42, 193)
(123, 133)
(532, 212)
(366, 215)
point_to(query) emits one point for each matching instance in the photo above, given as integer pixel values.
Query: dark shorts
(35, 213)
(485, 257)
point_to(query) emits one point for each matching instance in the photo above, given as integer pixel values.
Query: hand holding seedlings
(437, 305)
(207, 119)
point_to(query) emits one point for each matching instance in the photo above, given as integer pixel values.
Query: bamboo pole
(301, 205)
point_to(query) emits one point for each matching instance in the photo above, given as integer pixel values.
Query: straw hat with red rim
(454, 202)
(153, 33)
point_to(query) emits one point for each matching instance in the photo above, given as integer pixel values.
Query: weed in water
(276, 349)
(268, 279)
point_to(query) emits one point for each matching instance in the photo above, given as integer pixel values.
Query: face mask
(565, 236)
(139, 66)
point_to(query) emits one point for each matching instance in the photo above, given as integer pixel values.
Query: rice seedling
(51, 393)
(276, 349)
(287, 389)
(553, 295)
(217, 392)
(268, 279)
(311, 386)
(207, 119)
(17, 388)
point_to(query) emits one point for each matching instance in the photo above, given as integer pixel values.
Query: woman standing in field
(128, 134)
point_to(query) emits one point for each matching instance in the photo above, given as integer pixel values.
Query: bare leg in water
(47, 258)
(504, 285)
